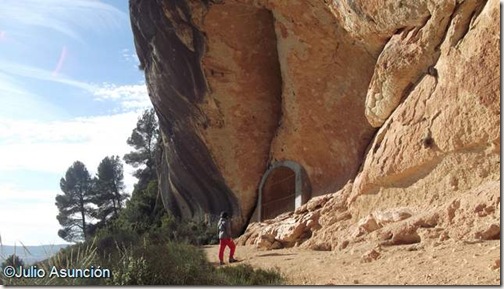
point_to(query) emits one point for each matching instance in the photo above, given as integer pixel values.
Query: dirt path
(449, 263)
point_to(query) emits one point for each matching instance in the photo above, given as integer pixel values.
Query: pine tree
(108, 190)
(144, 139)
(73, 204)
(145, 210)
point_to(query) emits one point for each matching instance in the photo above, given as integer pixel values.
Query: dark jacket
(224, 227)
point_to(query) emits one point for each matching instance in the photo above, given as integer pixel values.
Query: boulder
(391, 216)
(370, 256)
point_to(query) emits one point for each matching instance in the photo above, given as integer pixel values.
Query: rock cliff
(386, 114)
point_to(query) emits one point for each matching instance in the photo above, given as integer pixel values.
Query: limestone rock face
(170, 51)
(405, 58)
(443, 138)
(391, 108)
(240, 85)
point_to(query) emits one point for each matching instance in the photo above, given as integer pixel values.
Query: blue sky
(70, 89)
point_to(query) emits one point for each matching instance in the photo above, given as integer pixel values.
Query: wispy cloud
(28, 71)
(9, 85)
(33, 27)
(19, 102)
(63, 16)
(129, 97)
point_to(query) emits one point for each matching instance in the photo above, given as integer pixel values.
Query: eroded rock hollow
(266, 104)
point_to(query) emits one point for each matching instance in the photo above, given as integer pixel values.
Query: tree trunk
(82, 209)
(117, 198)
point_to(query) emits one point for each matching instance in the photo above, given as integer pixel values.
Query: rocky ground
(448, 263)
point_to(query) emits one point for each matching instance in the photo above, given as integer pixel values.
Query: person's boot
(221, 263)
(232, 260)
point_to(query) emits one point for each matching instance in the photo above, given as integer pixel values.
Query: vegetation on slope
(137, 240)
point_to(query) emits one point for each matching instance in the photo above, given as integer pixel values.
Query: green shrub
(168, 264)
(121, 231)
(144, 262)
(108, 240)
(183, 264)
(196, 232)
(130, 271)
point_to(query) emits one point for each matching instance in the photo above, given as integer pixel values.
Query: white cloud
(53, 146)
(129, 56)
(28, 217)
(11, 193)
(130, 96)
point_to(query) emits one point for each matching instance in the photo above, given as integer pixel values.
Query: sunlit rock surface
(397, 99)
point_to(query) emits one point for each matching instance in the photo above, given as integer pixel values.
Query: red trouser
(223, 243)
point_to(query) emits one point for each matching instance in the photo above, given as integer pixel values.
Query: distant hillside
(30, 254)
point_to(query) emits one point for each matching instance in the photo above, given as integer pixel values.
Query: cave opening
(279, 192)
(284, 187)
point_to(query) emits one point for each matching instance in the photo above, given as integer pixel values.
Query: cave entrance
(283, 188)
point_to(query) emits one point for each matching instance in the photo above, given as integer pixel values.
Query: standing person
(224, 226)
